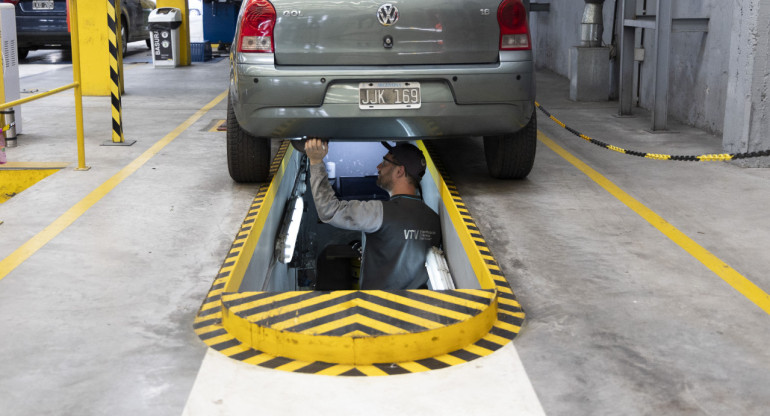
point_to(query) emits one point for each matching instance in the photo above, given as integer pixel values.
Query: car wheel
(149, 43)
(124, 36)
(23, 52)
(511, 156)
(248, 157)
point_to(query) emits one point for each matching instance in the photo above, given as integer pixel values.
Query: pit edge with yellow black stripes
(359, 333)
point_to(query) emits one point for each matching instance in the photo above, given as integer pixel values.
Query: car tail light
(514, 30)
(14, 2)
(257, 24)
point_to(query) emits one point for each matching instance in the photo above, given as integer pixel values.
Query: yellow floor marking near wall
(13, 182)
(722, 269)
(42, 238)
(15, 177)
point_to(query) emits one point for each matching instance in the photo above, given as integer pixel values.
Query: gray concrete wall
(699, 62)
(747, 112)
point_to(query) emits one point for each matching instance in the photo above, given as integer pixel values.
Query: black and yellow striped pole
(116, 69)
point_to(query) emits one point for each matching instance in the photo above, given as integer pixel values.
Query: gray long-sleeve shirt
(364, 216)
(399, 233)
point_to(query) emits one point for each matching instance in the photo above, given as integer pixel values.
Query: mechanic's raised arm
(351, 215)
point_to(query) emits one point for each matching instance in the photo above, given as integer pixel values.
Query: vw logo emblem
(387, 14)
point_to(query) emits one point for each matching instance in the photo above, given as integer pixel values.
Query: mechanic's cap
(410, 156)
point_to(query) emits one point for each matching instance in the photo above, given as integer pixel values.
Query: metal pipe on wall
(592, 24)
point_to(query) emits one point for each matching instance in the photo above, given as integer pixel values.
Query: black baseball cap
(410, 156)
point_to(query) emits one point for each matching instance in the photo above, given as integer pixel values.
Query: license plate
(389, 95)
(42, 4)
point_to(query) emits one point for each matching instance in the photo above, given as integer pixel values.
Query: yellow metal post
(116, 71)
(185, 55)
(75, 41)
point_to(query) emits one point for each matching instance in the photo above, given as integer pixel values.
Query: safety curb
(721, 157)
(359, 327)
(227, 333)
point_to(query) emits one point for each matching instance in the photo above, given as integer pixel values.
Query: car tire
(511, 156)
(148, 42)
(248, 157)
(23, 52)
(124, 36)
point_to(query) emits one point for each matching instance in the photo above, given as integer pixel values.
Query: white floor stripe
(497, 383)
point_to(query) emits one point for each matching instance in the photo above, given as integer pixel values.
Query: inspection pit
(261, 308)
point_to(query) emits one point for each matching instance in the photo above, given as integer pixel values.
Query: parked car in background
(196, 20)
(42, 24)
(382, 70)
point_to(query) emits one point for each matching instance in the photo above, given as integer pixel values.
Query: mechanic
(399, 232)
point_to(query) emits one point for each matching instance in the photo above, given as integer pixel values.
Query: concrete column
(747, 106)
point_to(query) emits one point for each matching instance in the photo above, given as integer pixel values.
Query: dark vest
(394, 256)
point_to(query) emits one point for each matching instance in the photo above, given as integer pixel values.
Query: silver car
(374, 70)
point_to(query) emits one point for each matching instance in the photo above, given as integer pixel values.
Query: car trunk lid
(379, 33)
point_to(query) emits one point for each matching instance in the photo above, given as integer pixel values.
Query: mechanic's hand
(316, 150)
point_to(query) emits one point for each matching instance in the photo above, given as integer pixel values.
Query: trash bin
(164, 26)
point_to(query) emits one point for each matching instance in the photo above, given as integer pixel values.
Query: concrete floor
(621, 319)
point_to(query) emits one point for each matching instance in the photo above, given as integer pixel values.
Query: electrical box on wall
(10, 56)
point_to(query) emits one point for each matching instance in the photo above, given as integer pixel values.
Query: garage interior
(643, 281)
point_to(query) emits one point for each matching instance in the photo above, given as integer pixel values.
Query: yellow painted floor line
(42, 238)
(722, 269)
(216, 127)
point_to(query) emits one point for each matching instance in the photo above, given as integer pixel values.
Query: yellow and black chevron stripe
(359, 327)
(721, 157)
(358, 333)
(115, 89)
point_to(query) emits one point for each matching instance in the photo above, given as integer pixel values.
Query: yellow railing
(75, 41)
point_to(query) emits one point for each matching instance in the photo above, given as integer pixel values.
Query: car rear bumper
(343, 121)
(43, 40)
(457, 100)
(34, 31)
